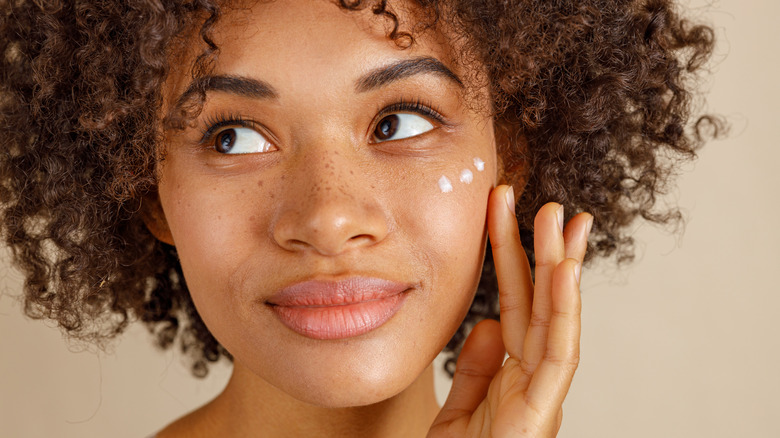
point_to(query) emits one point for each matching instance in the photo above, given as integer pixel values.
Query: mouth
(338, 309)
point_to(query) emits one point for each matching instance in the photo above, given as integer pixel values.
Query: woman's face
(329, 204)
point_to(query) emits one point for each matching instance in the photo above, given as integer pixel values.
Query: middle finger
(549, 252)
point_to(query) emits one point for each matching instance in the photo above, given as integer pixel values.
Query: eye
(241, 141)
(400, 126)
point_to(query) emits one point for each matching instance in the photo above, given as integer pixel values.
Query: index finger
(513, 272)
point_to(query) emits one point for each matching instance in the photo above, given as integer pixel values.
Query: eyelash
(217, 121)
(416, 106)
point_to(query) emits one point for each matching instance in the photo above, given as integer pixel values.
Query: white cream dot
(479, 164)
(466, 176)
(445, 185)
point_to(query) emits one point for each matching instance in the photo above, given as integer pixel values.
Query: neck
(250, 406)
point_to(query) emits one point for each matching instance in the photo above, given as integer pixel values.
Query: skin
(327, 202)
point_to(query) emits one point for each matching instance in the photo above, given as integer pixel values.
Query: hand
(523, 396)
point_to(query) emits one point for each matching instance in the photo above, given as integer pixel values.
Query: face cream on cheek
(466, 176)
(479, 164)
(445, 185)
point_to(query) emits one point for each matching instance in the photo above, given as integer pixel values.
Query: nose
(328, 207)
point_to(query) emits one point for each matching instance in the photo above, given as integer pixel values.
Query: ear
(154, 217)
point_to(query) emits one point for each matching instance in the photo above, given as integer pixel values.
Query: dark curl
(591, 101)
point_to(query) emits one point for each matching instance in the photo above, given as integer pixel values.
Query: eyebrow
(403, 69)
(377, 78)
(238, 85)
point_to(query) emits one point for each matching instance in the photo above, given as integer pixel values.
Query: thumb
(479, 361)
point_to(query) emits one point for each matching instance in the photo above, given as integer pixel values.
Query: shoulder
(198, 423)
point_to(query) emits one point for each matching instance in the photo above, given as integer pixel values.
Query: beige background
(684, 343)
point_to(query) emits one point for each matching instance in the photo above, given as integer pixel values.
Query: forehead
(290, 41)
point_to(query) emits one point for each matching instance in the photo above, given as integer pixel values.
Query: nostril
(332, 247)
(362, 239)
(297, 245)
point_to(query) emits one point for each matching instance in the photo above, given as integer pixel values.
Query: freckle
(272, 196)
(282, 177)
(445, 185)
(466, 176)
(479, 164)
(260, 183)
(243, 191)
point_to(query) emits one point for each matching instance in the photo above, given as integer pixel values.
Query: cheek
(447, 230)
(204, 222)
(446, 220)
(211, 229)
(454, 202)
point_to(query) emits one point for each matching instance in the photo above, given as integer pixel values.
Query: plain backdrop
(682, 343)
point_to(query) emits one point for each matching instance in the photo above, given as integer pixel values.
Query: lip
(338, 309)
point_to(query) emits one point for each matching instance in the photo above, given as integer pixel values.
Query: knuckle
(527, 368)
(544, 262)
(568, 364)
(501, 241)
(509, 307)
(539, 321)
(497, 243)
(562, 313)
(468, 371)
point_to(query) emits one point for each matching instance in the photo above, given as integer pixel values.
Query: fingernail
(560, 218)
(510, 199)
(577, 272)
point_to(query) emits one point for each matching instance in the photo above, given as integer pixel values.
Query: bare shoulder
(198, 423)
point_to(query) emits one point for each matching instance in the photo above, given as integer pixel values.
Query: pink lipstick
(338, 309)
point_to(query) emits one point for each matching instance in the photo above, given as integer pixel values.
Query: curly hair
(591, 99)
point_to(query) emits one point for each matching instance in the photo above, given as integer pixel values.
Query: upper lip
(321, 293)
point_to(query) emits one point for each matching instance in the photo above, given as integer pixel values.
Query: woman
(323, 177)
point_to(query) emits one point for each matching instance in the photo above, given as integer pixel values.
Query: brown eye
(386, 127)
(241, 141)
(225, 141)
(399, 126)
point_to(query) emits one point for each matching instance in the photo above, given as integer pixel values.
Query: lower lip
(339, 321)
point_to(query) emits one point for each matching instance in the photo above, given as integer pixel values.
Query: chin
(354, 396)
(352, 383)
(346, 373)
